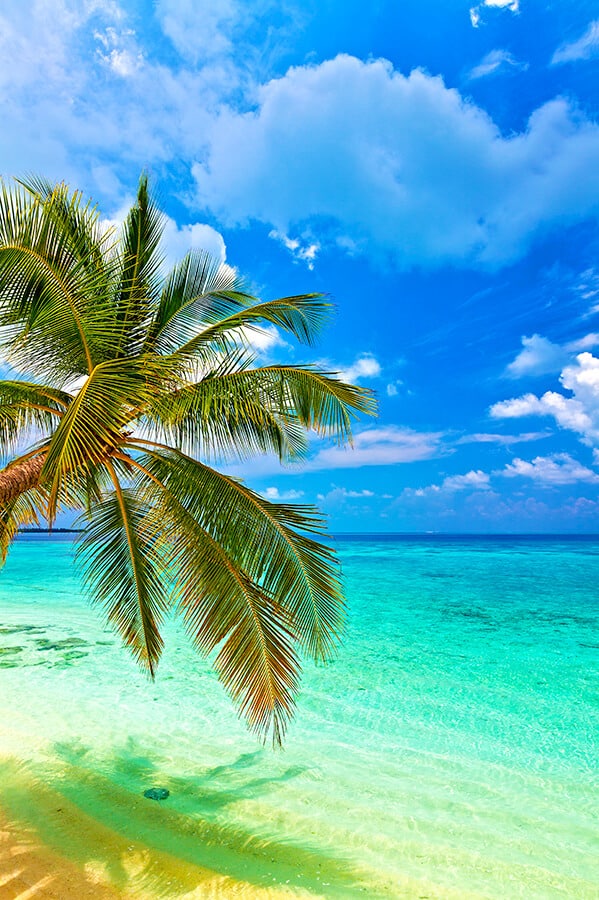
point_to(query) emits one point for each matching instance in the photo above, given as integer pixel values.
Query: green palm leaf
(300, 572)
(133, 370)
(125, 572)
(25, 406)
(199, 289)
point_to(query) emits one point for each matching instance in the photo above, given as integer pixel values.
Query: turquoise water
(450, 751)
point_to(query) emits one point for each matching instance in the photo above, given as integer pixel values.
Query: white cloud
(475, 11)
(475, 480)
(400, 167)
(503, 439)
(539, 357)
(578, 413)
(306, 252)
(118, 51)
(341, 493)
(177, 240)
(379, 447)
(364, 366)
(199, 30)
(274, 494)
(493, 62)
(393, 388)
(586, 47)
(560, 468)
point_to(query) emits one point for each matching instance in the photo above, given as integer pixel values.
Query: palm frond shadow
(95, 814)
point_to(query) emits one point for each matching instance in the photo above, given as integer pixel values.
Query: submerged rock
(156, 793)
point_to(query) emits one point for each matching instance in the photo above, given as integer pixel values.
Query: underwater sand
(449, 752)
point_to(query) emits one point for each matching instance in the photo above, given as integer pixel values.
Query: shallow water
(450, 751)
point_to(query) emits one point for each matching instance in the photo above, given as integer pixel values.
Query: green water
(450, 751)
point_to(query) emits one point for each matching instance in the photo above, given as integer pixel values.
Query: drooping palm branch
(136, 386)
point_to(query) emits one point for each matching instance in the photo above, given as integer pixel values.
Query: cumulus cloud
(364, 366)
(475, 480)
(494, 62)
(379, 447)
(400, 167)
(586, 47)
(177, 240)
(578, 413)
(559, 468)
(274, 494)
(118, 50)
(539, 356)
(476, 11)
(199, 31)
(304, 252)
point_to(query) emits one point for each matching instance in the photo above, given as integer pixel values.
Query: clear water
(450, 751)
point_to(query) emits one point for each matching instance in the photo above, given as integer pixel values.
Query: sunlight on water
(450, 750)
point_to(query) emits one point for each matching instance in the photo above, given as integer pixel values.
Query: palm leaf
(225, 610)
(25, 406)
(199, 289)
(125, 572)
(265, 540)
(138, 290)
(93, 426)
(302, 316)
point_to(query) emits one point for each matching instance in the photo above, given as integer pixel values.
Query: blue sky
(433, 166)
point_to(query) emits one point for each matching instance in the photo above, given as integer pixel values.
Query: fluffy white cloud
(304, 251)
(560, 468)
(118, 50)
(495, 61)
(475, 480)
(539, 356)
(586, 47)
(379, 447)
(274, 494)
(578, 413)
(476, 11)
(398, 166)
(179, 239)
(199, 30)
(364, 366)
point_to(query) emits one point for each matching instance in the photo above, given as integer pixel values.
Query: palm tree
(137, 384)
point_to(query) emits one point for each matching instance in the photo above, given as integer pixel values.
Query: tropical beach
(299, 450)
(450, 751)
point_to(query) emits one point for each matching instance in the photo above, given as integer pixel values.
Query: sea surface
(450, 751)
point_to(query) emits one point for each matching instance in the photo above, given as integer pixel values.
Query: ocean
(450, 750)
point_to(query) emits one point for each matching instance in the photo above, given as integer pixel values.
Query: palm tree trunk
(19, 477)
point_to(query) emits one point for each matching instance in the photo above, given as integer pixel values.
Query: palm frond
(224, 610)
(268, 541)
(138, 291)
(125, 571)
(302, 316)
(24, 509)
(54, 307)
(25, 406)
(93, 425)
(227, 415)
(199, 289)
